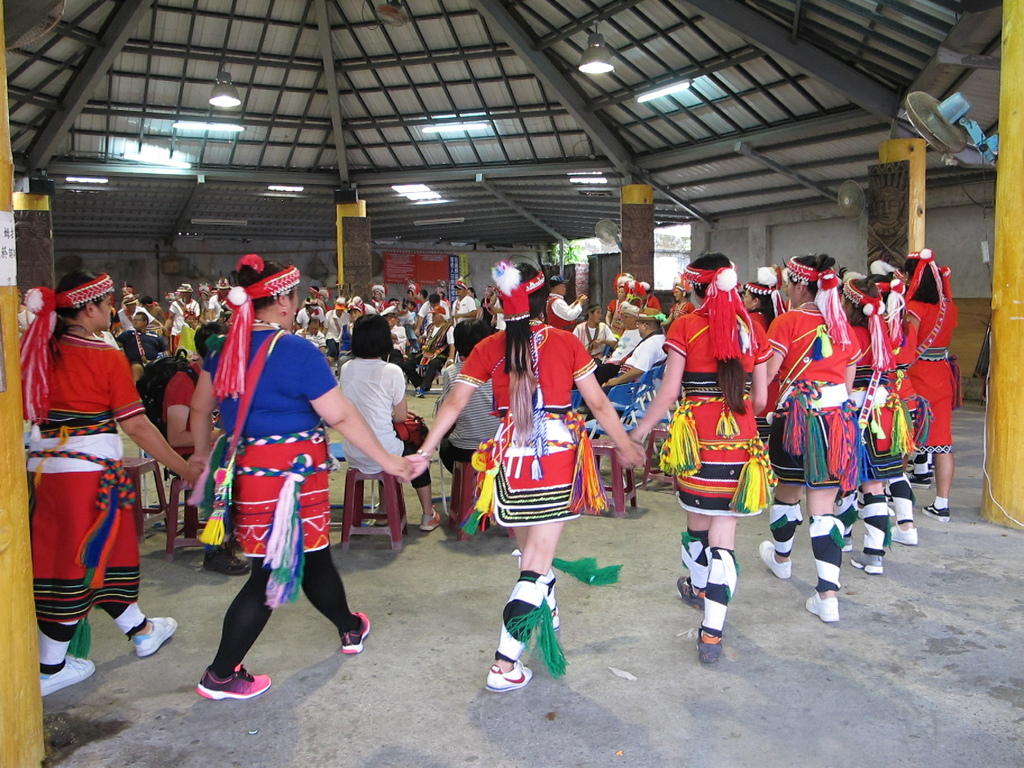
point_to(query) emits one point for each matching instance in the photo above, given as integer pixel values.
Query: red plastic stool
(463, 499)
(188, 534)
(623, 485)
(652, 466)
(136, 466)
(393, 503)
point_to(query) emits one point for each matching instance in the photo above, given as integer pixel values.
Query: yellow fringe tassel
(213, 532)
(727, 426)
(488, 469)
(902, 428)
(680, 454)
(756, 483)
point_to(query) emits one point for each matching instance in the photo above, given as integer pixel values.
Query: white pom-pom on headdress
(237, 296)
(506, 277)
(766, 276)
(881, 267)
(927, 254)
(646, 286)
(868, 310)
(727, 279)
(34, 301)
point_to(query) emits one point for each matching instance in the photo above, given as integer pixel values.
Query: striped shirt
(475, 424)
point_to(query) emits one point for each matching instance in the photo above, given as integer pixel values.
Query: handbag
(413, 430)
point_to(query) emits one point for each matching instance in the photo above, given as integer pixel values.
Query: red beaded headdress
(827, 299)
(768, 283)
(728, 320)
(234, 357)
(83, 294)
(515, 295)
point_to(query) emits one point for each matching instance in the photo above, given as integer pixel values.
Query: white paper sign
(8, 259)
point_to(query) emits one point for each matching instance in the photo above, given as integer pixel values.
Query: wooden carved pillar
(638, 231)
(896, 201)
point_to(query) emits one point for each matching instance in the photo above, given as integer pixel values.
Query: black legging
(248, 613)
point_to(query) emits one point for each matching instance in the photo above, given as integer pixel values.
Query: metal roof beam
(753, 154)
(774, 40)
(519, 209)
(331, 79)
(544, 69)
(123, 21)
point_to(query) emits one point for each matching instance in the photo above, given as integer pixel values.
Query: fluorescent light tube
(682, 85)
(189, 125)
(85, 179)
(588, 180)
(454, 127)
(429, 222)
(284, 188)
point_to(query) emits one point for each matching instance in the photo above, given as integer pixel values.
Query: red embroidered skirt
(255, 496)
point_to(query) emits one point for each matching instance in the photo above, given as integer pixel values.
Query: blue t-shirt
(296, 372)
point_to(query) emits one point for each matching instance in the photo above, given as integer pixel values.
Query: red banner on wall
(407, 266)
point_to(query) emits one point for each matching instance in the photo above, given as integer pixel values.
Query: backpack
(154, 380)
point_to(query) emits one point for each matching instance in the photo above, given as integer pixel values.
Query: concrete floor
(925, 668)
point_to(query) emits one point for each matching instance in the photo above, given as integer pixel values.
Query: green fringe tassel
(779, 523)
(837, 535)
(585, 569)
(688, 539)
(849, 517)
(81, 641)
(538, 623)
(887, 542)
(472, 524)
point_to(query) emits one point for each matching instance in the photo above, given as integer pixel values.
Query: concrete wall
(958, 220)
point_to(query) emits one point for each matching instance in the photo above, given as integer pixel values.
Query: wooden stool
(135, 468)
(623, 485)
(392, 502)
(652, 466)
(188, 534)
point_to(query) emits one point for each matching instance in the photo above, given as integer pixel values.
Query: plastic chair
(136, 467)
(354, 515)
(187, 535)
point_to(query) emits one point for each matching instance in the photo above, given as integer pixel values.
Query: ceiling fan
(28, 21)
(391, 13)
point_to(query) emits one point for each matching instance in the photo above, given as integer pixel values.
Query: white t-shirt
(462, 306)
(648, 353)
(213, 306)
(627, 343)
(178, 311)
(588, 335)
(126, 321)
(564, 310)
(375, 388)
(333, 322)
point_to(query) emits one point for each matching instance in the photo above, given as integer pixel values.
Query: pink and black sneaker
(241, 685)
(352, 641)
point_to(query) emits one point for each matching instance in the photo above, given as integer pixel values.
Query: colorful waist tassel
(587, 494)
(485, 462)
(285, 557)
(215, 498)
(680, 454)
(757, 481)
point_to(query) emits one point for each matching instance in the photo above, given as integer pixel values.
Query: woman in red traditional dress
(274, 391)
(934, 374)
(763, 300)
(719, 462)
(85, 552)
(538, 472)
(681, 293)
(813, 438)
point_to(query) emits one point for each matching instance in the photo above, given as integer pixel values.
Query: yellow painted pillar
(912, 150)
(637, 211)
(1003, 496)
(21, 706)
(344, 210)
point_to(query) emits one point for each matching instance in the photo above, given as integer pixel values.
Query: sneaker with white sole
(147, 645)
(352, 641)
(500, 682)
(241, 685)
(75, 671)
(942, 515)
(430, 522)
(868, 563)
(847, 543)
(921, 479)
(907, 538)
(825, 608)
(767, 553)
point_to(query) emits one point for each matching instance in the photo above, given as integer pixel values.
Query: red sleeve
(483, 360)
(780, 333)
(582, 363)
(762, 349)
(611, 306)
(653, 303)
(124, 397)
(179, 390)
(678, 335)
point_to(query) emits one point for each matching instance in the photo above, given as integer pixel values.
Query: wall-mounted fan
(607, 231)
(851, 199)
(947, 128)
(28, 21)
(391, 13)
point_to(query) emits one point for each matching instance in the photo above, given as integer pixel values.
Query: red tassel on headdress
(881, 347)
(925, 258)
(724, 308)
(234, 355)
(947, 289)
(36, 354)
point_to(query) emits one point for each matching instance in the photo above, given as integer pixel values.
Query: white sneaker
(430, 522)
(767, 553)
(847, 543)
(147, 645)
(872, 564)
(826, 609)
(75, 671)
(500, 682)
(907, 538)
